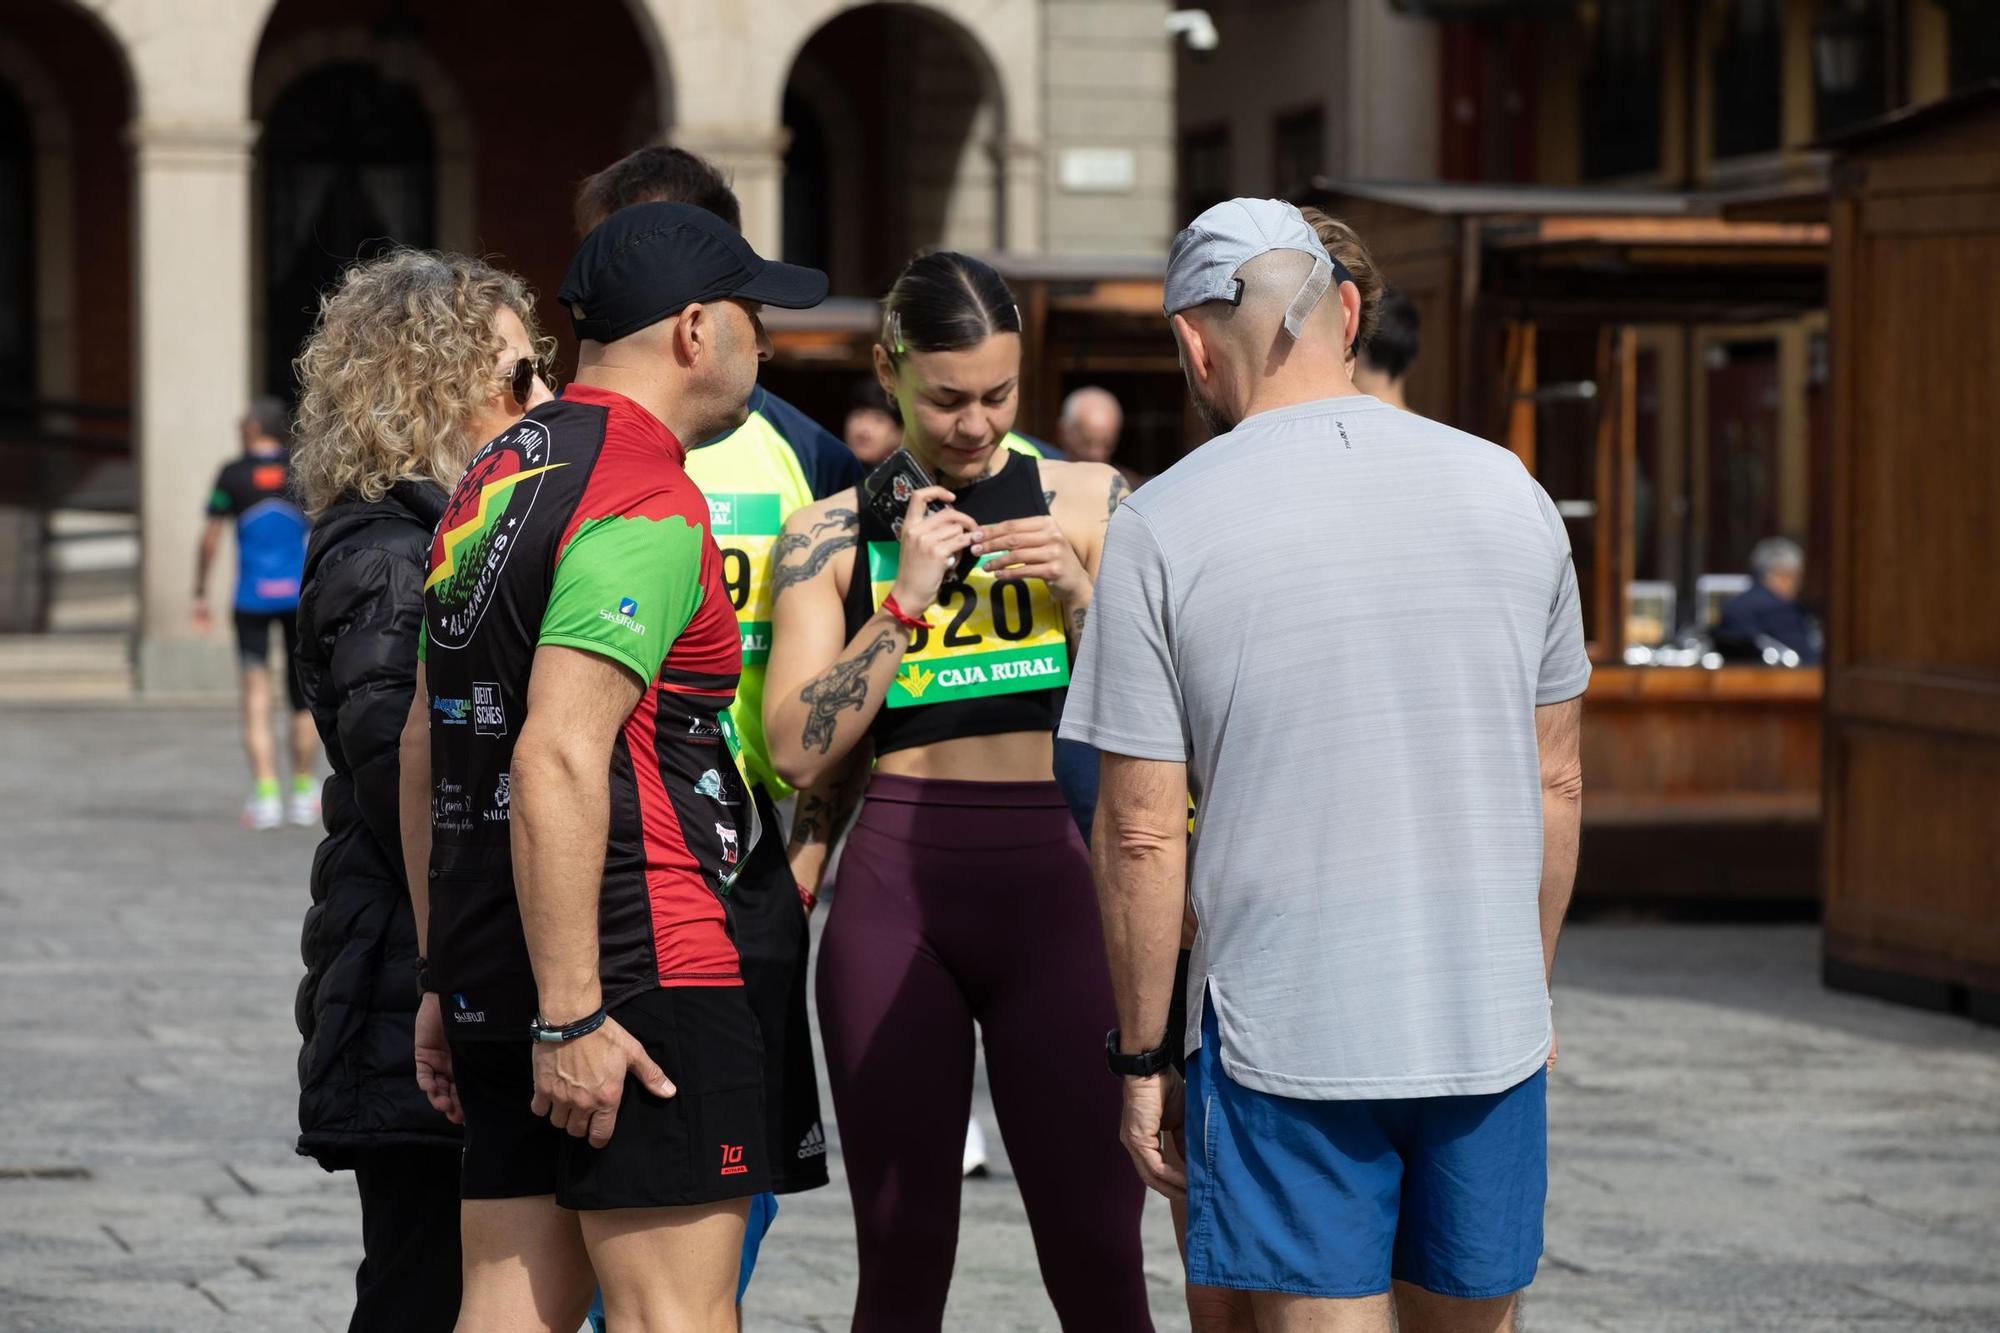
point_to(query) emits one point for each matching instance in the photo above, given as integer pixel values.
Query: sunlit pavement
(1731, 1146)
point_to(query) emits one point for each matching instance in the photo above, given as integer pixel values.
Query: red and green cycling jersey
(579, 528)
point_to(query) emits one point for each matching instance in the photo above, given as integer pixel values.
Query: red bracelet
(807, 898)
(903, 618)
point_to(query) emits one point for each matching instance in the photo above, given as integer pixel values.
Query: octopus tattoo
(845, 525)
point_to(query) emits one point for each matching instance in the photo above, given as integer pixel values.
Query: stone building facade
(191, 170)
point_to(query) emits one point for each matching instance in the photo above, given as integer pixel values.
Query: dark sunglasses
(521, 379)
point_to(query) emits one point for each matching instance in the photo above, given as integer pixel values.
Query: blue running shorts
(1335, 1198)
(763, 1212)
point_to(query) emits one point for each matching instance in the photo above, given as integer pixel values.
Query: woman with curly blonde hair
(417, 360)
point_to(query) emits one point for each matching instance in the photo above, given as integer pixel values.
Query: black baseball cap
(649, 262)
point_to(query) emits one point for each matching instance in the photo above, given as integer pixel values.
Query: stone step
(65, 666)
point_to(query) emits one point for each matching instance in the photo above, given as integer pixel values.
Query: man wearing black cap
(577, 604)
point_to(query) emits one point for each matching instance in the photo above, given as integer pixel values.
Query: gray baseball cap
(1204, 259)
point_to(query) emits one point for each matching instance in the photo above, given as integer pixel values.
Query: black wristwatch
(583, 1027)
(1143, 1065)
(424, 984)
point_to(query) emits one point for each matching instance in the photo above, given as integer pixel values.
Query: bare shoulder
(822, 516)
(1082, 491)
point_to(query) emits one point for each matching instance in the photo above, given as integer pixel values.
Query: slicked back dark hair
(655, 175)
(1392, 347)
(946, 302)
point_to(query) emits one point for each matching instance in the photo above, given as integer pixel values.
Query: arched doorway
(348, 170)
(896, 125)
(409, 122)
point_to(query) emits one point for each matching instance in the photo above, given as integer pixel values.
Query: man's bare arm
(1558, 732)
(1139, 854)
(561, 814)
(413, 801)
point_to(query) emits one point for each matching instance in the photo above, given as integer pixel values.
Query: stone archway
(909, 105)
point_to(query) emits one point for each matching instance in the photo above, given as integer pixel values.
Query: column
(192, 376)
(753, 157)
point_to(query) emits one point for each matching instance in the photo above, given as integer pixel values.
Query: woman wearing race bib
(965, 893)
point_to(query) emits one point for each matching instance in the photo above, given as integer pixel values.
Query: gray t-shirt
(1342, 617)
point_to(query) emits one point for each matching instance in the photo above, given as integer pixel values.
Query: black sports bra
(995, 658)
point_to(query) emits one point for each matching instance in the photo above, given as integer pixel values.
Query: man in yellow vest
(777, 461)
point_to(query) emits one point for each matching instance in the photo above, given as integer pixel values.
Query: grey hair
(1775, 553)
(1078, 397)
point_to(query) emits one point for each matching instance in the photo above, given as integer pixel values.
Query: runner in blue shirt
(254, 494)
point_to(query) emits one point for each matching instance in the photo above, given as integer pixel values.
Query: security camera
(1197, 27)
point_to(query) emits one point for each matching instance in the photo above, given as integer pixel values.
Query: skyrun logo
(626, 616)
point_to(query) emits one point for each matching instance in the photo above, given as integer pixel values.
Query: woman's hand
(931, 543)
(1034, 548)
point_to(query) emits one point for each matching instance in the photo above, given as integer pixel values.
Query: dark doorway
(17, 246)
(349, 171)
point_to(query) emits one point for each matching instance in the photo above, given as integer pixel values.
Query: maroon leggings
(964, 902)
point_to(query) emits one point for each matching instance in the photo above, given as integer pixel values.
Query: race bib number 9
(745, 526)
(983, 637)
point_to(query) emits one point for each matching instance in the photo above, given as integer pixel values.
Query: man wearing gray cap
(1353, 635)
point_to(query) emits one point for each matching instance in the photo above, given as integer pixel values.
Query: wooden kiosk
(1590, 330)
(1912, 834)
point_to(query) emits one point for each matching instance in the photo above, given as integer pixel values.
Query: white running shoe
(975, 1151)
(261, 814)
(304, 809)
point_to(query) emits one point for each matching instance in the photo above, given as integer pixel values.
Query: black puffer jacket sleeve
(372, 602)
(360, 611)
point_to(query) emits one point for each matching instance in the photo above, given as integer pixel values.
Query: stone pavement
(1732, 1147)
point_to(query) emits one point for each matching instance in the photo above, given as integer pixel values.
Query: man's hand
(579, 1084)
(1551, 1066)
(204, 620)
(434, 1061)
(1154, 1106)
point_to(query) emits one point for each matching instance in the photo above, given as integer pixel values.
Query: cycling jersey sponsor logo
(451, 808)
(727, 833)
(481, 527)
(710, 785)
(705, 727)
(732, 1160)
(451, 712)
(813, 1144)
(626, 616)
(489, 715)
(503, 799)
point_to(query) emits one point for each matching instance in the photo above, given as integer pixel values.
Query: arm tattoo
(1119, 490)
(1076, 624)
(822, 811)
(840, 688)
(1048, 497)
(845, 527)
(814, 821)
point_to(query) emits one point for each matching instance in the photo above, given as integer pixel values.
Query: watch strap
(1125, 1064)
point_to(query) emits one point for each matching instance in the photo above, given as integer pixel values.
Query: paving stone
(1732, 1147)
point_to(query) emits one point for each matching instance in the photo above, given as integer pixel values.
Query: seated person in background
(1770, 609)
(1386, 355)
(872, 430)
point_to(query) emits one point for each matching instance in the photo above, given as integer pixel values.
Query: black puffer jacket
(359, 612)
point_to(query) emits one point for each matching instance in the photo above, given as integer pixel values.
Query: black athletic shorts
(772, 939)
(253, 647)
(702, 1145)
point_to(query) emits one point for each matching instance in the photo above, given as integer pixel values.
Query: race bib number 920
(983, 637)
